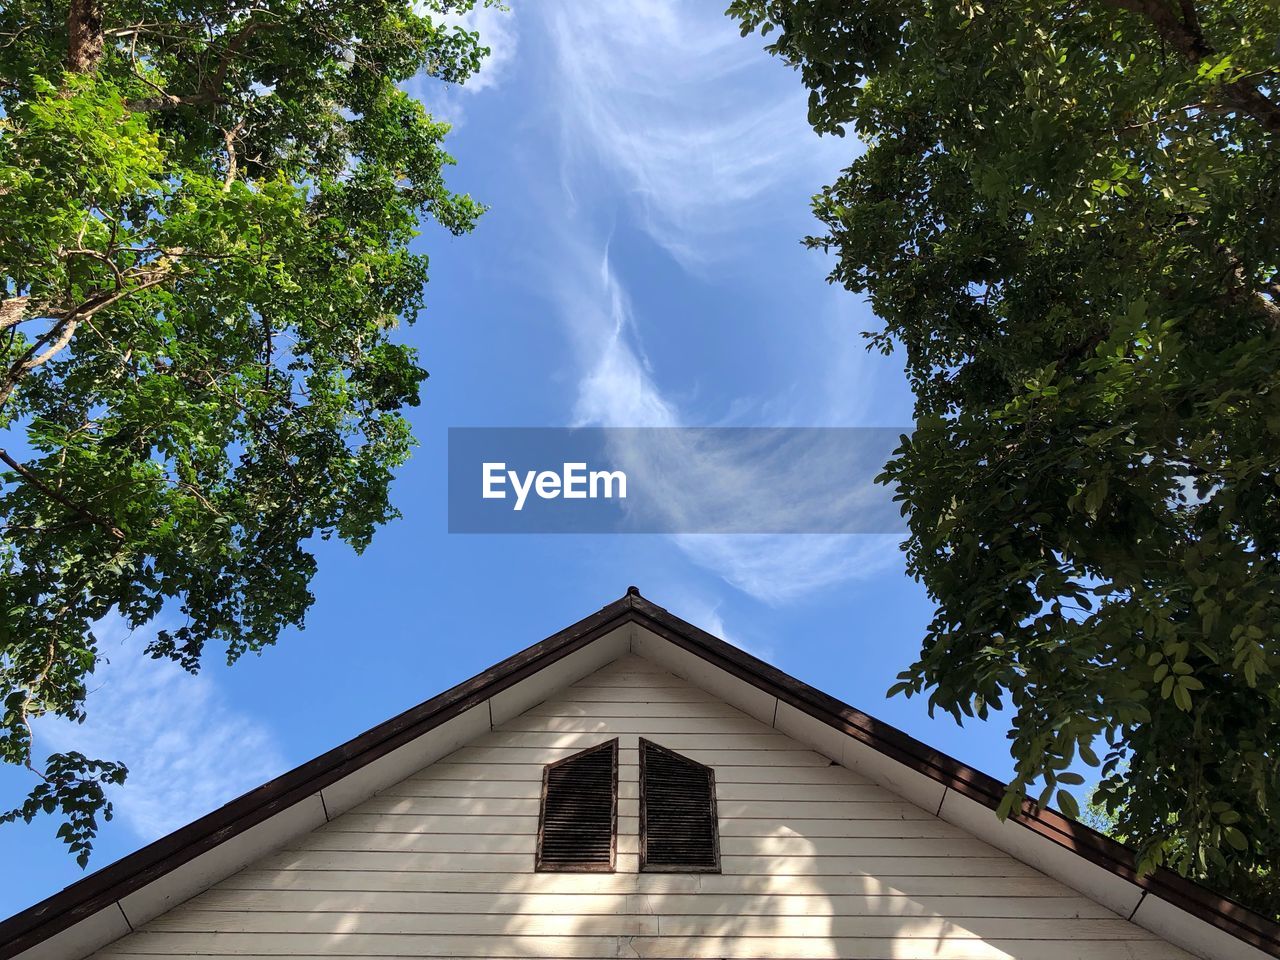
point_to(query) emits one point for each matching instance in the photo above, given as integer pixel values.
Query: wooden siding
(817, 862)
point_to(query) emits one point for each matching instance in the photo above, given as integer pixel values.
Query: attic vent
(579, 818)
(678, 826)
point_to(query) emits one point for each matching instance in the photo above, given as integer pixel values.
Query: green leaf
(1067, 804)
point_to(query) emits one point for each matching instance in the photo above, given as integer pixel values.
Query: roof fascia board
(82, 938)
(234, 854)
(1193, 933)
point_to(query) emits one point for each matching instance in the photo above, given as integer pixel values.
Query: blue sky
(648, 172)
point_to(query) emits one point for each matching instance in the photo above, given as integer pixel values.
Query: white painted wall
(818, 862)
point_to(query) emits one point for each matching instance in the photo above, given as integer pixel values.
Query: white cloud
(617, 389)
(707, 139)
(732, 481)
(188, 749)
(676, 104)
(778, 568)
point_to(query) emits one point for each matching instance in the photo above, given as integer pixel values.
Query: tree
(205, 217)
(1066, 216)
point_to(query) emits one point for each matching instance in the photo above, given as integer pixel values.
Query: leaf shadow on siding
(817, 862)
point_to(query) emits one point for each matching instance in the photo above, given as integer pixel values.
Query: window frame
(587, 866)
(645, 866)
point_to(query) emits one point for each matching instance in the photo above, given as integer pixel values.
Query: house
(633, 786)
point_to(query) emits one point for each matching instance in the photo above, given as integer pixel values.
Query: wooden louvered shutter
(578, 825)
(678, 826)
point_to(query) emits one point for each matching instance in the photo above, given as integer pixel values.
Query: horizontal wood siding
(817, 861)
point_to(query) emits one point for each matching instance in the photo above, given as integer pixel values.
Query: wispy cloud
(779, 569)
(188, 748)
(674, 102)
(763, 480)
(617, 389)
(706, 139)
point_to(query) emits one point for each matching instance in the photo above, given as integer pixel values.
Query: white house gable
(816, 860)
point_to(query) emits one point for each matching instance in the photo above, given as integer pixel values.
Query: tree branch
(13, 310)
(229, 136)
(1248, 99)
(171, 101)
(210, 90)
(63, 338)
(1171, 28)
(20, 367)
(1181, 30)
(54, 495)
(1240, 290)
(60, 334)
(1191, 21)
(84, 35)
(100, 256)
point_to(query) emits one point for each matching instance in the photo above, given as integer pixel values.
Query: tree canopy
(205, 217)
(1067, 216)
